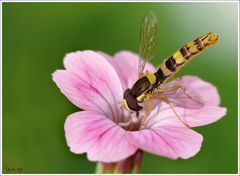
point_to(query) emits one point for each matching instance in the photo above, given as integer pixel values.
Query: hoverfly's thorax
(140, 86)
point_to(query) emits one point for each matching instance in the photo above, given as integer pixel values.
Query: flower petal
(95, 134)
(170, 142)
(164, 116)
(90, 82)
(126, 65)
(197, 94)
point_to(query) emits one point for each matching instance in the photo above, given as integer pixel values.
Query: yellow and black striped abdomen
(173, 64)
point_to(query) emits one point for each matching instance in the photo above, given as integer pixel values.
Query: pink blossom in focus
(95, 82)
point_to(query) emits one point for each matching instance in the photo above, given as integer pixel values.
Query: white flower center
(132, 120)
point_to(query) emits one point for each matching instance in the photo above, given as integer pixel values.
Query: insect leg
(147, 111)
(179, 118)
(165, 100)
(174, 88)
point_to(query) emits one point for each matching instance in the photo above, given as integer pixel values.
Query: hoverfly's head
(211, 38)
(130, 102)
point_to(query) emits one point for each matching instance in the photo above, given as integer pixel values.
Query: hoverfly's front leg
(148, 108)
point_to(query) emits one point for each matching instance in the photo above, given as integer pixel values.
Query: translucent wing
(184, 99)
(180, 98)
(147, 41)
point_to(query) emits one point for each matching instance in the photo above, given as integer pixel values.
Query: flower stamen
(132, 120)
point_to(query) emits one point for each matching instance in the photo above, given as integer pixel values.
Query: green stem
(131, 165)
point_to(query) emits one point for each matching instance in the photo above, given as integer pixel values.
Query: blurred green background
(36, 36)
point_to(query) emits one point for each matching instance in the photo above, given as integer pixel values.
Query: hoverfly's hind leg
(179, 118)
(165, 100)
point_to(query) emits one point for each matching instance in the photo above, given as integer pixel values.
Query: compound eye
(126, 93)
(133, 104)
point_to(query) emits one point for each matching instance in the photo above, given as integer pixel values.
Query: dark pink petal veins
(90, 82)
(197, 94)
(170, 142)
(98, 136)
(163, 116)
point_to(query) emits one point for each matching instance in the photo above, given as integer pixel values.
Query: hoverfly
(151, 85)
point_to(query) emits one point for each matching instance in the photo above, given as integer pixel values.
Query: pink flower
(95, 82)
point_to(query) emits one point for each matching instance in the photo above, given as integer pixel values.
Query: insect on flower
(150, 86)
(95, 82)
